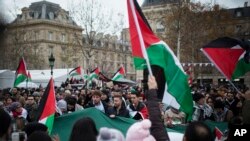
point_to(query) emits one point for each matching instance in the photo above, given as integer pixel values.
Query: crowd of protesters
(215, 103)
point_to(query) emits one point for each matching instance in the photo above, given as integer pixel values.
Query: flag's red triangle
(218, 133)
(21, 69)
(122, 70)
(148, 36)
(78, 70)
(224, 58)
(97, 71)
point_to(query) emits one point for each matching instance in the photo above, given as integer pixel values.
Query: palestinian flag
(145, 45)
(94, 73)
(21, 73)
(227, 54)
(119, 74)
(47, 106)
(102, 77)
(29, 77)
(76, 71)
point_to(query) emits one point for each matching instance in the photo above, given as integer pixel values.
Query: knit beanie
(34, 126)
(139, 131)
(109, 134)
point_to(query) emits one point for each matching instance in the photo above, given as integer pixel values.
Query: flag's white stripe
(43, 121)
(116, 75)
(236, 47)
(242, 55)
(169, 100)
(142, 45)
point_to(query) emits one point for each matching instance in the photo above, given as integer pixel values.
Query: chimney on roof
(44, 11)
(245, 4)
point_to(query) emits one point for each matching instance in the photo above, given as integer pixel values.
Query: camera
(18, 136)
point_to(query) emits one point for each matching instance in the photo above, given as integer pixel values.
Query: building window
(50, 35)
(63, 39)
(238, 28)
(50, 49)
(238, 13)
(159, 27)
(36, 35)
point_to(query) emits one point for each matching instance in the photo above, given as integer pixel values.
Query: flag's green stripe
(20, 78)
(49, 122)
(29, 79)
(74, 74)
(117, 76)
(93, 76)
(176, 79)
(241, 68)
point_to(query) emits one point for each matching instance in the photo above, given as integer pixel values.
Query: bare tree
(192, 25)
(95, 19)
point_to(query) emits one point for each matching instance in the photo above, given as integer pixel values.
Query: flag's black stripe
(137, 7)
(116, 72)
(103, 77)
(43, 101)
(224, 42)
(93, 70)
(73, 70)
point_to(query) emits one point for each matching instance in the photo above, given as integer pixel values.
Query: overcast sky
(118, 6)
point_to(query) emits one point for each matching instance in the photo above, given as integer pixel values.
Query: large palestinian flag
(145, 45)
(119, 74)
(21, 73)
(76, 71)
(47, 106)
(228, 54)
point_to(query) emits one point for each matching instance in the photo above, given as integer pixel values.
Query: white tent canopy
(39, 77)
(28, 85)
(6, 79)
(42, 77)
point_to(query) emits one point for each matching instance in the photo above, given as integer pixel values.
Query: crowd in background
(216, 103)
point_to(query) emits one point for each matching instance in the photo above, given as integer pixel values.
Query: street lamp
(51, 62)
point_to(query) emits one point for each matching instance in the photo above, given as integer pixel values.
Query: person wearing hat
(137, 109)
(17, 111)
(37, 97)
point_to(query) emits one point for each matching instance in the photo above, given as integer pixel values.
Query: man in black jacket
(119, 108)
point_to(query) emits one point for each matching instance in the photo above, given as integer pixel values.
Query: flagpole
(145, 55)
(234, 86)
(26, 83)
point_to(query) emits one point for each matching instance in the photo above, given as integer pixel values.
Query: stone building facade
(41, 29)
(109, 53)
(44, 28)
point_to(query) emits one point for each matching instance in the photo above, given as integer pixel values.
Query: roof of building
(158, 2)
(50, 7)
(46, 10)
(240, 12)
